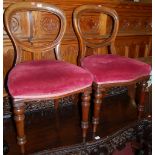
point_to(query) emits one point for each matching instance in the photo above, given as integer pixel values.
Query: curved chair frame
(19, 103)
(100, 89)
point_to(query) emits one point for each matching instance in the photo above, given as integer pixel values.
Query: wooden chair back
(28, 43)
(92, 39)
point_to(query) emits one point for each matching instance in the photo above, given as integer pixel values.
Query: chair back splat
(32, 11)
(95, 34)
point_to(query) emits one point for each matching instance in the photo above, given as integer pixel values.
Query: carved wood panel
(133, 46)
(135, 25)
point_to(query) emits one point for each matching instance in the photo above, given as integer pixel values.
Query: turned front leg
(19, 120)
(143, 86)
(85, 111)
(56, 104)
(132, 93)
(98, 97)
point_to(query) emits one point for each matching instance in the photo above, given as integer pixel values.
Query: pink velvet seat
(46, 79)
(114, 69)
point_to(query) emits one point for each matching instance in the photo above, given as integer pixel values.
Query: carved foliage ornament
(49, 24)
(43, 105)
(37, 105)
(14, 24)
(89, 23)
(136, 24)
(134, 132)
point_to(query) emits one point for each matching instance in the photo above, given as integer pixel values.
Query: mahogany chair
(42, 79)
(109, 70)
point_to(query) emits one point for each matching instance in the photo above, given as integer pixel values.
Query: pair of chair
(54, 79)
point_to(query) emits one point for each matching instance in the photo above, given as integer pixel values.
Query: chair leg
(85, 111)
(19, 120)
(56, 104)
(132, 93)
(97, 105)
(143, 86)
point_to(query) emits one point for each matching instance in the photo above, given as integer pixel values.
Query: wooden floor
(51, 129)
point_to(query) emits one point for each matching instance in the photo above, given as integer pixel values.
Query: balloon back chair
(96, 27)
(42, 79)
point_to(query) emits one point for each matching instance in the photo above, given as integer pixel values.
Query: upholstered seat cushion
(113, 69)
(46, 79)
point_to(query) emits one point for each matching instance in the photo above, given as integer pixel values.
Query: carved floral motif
(89, 23)
(125, 25)
(139, 25)
(14, 24)
(134, 132)
(148, 25)
(49, 24)
(43, 105)
(36, 105)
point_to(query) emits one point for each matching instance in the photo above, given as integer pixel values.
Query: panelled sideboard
(133, 39)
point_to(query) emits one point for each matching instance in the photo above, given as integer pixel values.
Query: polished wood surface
(47, 129)
(134, 35)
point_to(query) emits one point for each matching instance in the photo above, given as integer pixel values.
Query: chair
(109, 70)
(42, 79)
